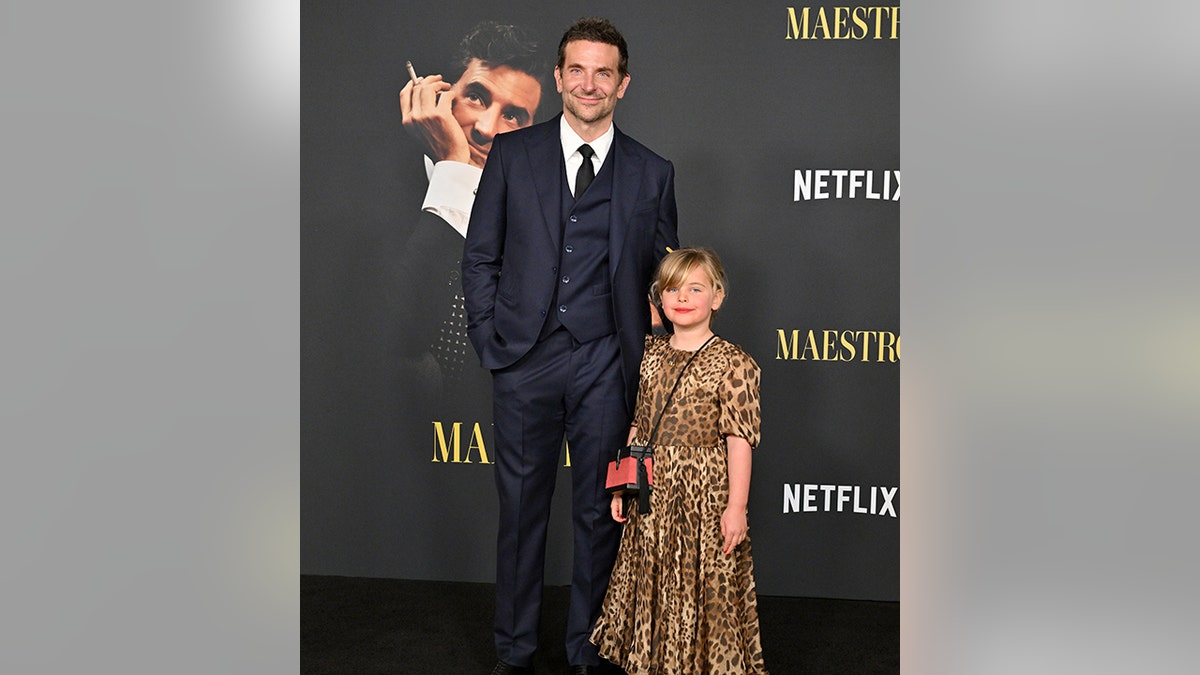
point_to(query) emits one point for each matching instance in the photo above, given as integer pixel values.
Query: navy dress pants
(561, 387)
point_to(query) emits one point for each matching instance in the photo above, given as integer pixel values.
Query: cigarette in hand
(412, 74)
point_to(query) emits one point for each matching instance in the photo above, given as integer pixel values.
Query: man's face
(589, 82)
(490, 101)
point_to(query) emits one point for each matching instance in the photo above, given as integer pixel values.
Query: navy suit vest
(583, 298)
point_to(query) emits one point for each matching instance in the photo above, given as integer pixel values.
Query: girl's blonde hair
(678, 264)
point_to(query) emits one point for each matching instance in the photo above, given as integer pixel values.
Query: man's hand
(426, 109)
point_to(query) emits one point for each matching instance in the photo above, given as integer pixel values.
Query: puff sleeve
(739, 399)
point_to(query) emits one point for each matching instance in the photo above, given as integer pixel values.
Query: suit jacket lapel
(627, 176)
(545, 166)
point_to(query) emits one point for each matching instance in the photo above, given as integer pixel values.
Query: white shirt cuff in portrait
(451, 192)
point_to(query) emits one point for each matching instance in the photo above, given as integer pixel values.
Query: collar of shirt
(570, 146)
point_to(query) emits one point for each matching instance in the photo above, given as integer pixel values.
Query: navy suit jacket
(515, 233)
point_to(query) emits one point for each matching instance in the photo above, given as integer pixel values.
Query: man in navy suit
(569, 222)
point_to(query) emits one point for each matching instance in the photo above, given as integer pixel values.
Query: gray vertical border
(1049, 389)
(149, 495)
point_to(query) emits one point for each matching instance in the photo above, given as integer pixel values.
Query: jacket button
(562, 308)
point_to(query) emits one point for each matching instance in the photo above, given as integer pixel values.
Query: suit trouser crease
(561, 387)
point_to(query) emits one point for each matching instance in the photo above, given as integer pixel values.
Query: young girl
(681, 599)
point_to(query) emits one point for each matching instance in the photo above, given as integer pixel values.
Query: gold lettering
(866, 342)
(800, 28)
(826, 343)
(860, 21)
(839, 345)
(783, 352)
(810, 345)
(449, 449)
(822, 23)
(878, 12)
(477, 444)
(797, 31)
(887, 342)
(848, 354)
(439, 441)
(839, 22)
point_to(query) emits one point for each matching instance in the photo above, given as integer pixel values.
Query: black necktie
(586, 171)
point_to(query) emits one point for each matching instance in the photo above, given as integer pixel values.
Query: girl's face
(692, 302)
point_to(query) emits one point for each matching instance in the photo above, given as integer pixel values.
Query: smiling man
(571, 218)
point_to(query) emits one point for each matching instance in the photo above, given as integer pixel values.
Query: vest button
(562, 309)
(566, 279)
(569, 249)
(574, 219)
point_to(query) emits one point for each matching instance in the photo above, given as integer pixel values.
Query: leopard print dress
(676, 605)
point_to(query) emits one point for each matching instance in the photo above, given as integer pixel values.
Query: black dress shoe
(503, 668)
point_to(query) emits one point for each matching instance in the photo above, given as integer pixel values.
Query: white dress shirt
(570, 145)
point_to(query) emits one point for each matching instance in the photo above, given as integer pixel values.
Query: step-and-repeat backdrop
(783, 124)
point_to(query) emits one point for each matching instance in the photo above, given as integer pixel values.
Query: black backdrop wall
(783, 124)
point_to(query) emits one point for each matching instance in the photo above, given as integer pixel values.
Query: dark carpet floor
(351, 625)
